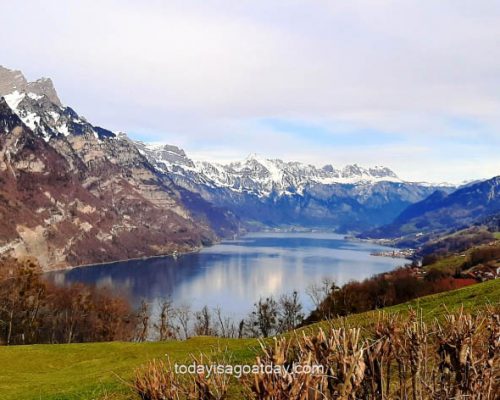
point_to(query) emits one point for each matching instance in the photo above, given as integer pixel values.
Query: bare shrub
(284, 385)
(205, 386)
(403, 359)
(468, 356)
(157, 381)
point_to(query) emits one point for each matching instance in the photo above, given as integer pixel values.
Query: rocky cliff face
(73, 194)
(11, 81)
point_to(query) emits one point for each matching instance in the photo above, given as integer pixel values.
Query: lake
(234, 274)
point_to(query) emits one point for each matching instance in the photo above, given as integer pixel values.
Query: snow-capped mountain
(12, 81)
(39, 113)
(265, 176)
(262, 176)
(275, 192)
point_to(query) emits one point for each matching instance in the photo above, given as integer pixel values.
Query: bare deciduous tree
(318, 293)
(143, 317)
(226, 325)
(203, 323)
(290, 312)
(263, 320)
(183, 317)
(164, 324)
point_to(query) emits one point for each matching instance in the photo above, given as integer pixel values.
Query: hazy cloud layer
(414, 85)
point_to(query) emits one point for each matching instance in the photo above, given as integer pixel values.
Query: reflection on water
(234, 274)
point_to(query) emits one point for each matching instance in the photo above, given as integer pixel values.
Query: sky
(409, 84)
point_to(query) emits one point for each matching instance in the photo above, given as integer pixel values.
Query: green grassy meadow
(105, 370)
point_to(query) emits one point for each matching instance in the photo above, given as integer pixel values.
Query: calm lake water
(234, 274)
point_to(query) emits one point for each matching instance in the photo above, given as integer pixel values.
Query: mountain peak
(11, 80)
(253, 157)
(329, 168)
(14, 80)
(442, 211)
(164, 156)
(353, 170)
(44, 86)
(382, 172)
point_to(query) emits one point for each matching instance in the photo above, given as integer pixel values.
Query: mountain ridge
(444, 211)
(167, 156)
(275, 192)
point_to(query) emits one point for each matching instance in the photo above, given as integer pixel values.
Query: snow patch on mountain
(37, 105)
(13, 99)
(260, 175)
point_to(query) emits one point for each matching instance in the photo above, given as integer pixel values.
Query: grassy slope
(448, 264)
(84, 371)
(453, 262)
(87, 371)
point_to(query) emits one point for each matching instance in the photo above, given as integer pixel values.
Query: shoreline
(173, 255)
(381, 242)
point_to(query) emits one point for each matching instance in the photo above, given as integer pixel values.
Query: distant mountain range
(277, 193)
(73, 193)
(442, 211)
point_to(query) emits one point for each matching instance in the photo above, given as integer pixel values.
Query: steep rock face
(75, 194)
(441, 211)
(11, 81)
(275, 193)
(63, 218)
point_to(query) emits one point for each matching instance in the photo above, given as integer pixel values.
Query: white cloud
(195, 73)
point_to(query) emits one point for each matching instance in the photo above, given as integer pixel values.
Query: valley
(77, 194)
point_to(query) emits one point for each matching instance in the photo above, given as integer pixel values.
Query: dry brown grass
(406, 359)
(158, 381)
